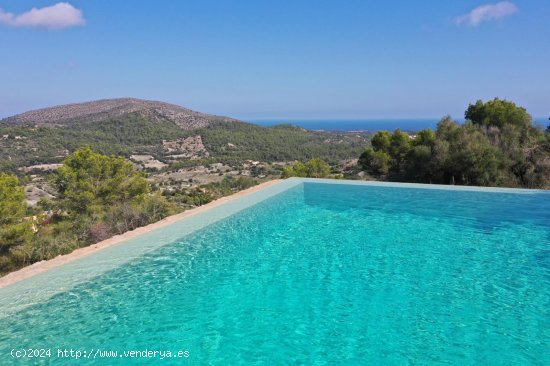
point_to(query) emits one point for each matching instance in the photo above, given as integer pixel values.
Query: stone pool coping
(43, 266)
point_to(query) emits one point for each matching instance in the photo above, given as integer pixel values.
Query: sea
(366, 125)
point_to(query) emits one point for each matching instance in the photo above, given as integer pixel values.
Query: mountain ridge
(104, 109)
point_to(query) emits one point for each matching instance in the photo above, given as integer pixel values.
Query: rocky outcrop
(191, 147)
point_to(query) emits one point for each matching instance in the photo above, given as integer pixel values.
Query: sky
(278, 59)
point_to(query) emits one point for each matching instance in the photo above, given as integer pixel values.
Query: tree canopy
(498, 113)
(314, 168)
(88, 179)
(12, 200)
(228, 142)
(14, 229)
(496, 146)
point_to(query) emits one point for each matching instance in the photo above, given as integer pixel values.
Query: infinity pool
(309, 272)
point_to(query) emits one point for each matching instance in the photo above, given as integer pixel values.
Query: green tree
(419, 164)
(381, 141)
(87, 182)
(474, 160)
(374, 162)
(12, 200)
(317, 168)
(425, 138)
(470, 154)
(15, 230)
(314, 168)
(298, 169)
(400, 145)
(498, 113)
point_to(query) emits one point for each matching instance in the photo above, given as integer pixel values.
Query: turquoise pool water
(321, 274)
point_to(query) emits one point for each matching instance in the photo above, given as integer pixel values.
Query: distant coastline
(365, 125)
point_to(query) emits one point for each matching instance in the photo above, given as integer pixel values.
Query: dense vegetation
(132, 133)
(229, 142)
(237, 141)
(98, 196)
(497, 146)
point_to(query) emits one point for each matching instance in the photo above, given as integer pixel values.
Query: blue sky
(278, 59)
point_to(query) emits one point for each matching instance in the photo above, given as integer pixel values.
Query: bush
(315, 168)
(128, 216)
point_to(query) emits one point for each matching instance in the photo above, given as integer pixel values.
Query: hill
(107, 109)
(161, 134)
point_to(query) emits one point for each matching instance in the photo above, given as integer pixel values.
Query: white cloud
(60, 15)
(487, 12)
